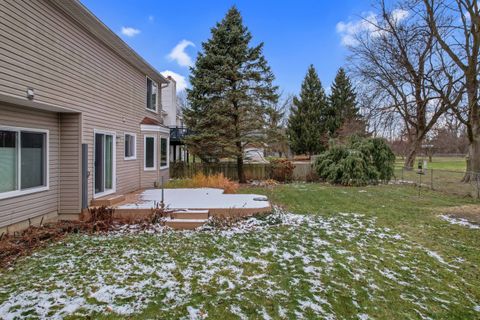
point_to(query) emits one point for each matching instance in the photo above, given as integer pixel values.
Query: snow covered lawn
(282, 266)
(197, 198)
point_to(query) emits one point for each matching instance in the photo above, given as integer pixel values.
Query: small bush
(203, 181)
(281, 170)
(360, 162)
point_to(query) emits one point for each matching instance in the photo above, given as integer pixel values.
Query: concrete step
(190, 214)
(185, 224)
(107, 200)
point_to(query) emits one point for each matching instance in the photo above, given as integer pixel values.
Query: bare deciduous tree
(395, 60)
(455, 24)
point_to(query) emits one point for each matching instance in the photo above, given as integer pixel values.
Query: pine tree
(232, 86)
(306, 124)
(342, 103)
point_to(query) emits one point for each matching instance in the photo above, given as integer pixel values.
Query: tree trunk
(473, 163)
(412, 154)
(473, 130)
(240, 171)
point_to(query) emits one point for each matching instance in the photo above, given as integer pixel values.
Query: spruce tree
(306, 124)
(231, 88)
(342, 103)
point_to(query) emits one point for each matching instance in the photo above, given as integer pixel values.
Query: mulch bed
(98, 220)
(19, 244)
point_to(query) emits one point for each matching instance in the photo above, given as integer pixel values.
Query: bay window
(23, 161)
(150, 156)
(163, 153)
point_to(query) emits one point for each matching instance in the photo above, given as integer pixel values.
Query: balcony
(177, 134)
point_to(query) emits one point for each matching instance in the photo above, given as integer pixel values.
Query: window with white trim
(150, 155)
(163, 153)
(130, 146)
(23, 161)
(152, 95)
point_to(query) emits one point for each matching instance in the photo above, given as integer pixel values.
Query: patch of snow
(459, 221)
(198, 198)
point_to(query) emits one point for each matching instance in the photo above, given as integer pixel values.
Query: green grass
(347, 253)
(440, 163)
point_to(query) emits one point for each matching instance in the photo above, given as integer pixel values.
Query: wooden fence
(253, 171)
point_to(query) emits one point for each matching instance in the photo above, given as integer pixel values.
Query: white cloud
(369, 23)
(130, 32)
(349, 30)
(399, 15)
(179, 79)
(179, 55)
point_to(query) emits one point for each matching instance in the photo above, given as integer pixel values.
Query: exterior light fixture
(30, 93)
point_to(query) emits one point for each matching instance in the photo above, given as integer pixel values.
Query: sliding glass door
(104, 163)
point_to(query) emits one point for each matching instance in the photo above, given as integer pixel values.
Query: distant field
(442, 163)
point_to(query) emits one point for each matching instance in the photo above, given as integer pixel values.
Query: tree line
(410, 72)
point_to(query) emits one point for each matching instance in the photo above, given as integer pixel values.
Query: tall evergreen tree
(306, 124)
(342, 103)
(232, 86)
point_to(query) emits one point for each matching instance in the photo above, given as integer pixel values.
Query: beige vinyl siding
(23, 207)
(42, 48)
(70, 164)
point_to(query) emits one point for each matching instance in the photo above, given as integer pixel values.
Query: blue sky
(295, 33)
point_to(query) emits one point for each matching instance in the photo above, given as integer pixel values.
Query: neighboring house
(80, 113)
(174, 120)
(254, 155)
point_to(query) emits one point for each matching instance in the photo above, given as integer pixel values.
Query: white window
(130, 146)
(150, 152)
(152, 95)
(163, 153)
(23, 161)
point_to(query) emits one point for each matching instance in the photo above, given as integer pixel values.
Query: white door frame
(114, 164)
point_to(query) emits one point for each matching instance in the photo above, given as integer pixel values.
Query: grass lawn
(334, 253)
(440, 163)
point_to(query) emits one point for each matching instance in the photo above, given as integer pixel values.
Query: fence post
(402, 172)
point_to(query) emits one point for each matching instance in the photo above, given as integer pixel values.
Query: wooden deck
(178, 218)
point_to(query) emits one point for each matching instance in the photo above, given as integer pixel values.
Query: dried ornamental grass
(211, 181)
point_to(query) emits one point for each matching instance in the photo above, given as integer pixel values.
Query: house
(174, 120)
(80, 113)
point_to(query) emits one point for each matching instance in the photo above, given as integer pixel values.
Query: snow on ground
(282, 265)
(459, 221)
(198, 198)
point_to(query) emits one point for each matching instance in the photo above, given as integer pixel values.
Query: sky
(168, 34)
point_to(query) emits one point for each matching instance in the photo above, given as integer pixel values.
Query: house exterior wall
(17, 209)
(169, 102)
(42, 48)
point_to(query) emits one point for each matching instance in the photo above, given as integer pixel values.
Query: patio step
(185, 224)
(107, 200)
(190, 214)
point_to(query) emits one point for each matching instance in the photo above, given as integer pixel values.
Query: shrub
(200, 180)
(360, 162)
(281, 170)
